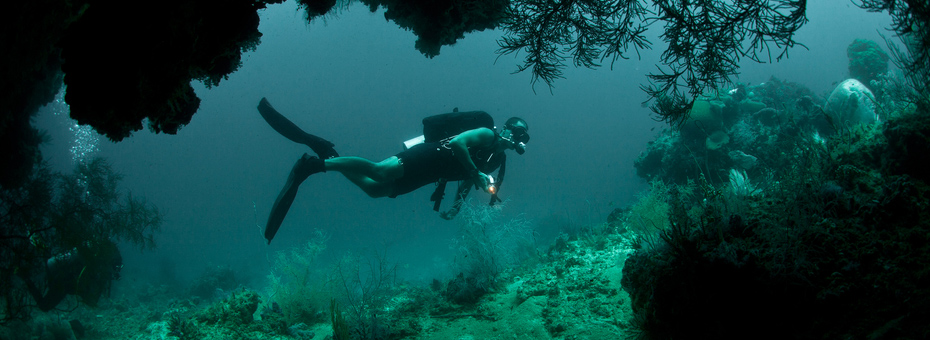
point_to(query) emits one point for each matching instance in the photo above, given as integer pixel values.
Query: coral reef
(831, 228)
(866, 61)
(724, 132)
(577, 284)
(230, 318)
(236, 310)
(183, 328)
(214, 281)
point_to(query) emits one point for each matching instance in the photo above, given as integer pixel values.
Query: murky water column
(84, 140)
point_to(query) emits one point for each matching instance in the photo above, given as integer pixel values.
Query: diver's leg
(289, 130)
(45, 302)
(305, 166)
(375, 179)
(51, 299)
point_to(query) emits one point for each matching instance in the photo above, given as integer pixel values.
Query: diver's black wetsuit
(61, 274)
(429, 162)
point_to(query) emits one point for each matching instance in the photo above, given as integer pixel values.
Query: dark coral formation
(908, 145)
(29, 78)
(316, 8)
(441, 22)
(122, 63)
(157, 51)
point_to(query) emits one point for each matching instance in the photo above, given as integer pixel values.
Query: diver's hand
(481, 180)
(494, 199)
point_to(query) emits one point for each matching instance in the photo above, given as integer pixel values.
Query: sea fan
(740, 185)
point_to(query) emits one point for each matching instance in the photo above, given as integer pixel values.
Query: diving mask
(518, 136)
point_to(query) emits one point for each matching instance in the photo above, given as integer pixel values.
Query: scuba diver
(462, 147)
(86, 271)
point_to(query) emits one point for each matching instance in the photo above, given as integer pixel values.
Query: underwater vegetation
(309, 294)
(706, 40)
(312, 295)
(485, 247)
(299, 284)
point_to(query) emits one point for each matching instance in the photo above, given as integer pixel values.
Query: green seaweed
(340, 328)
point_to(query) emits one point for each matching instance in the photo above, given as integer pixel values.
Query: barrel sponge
(851, 103)
(703, 111)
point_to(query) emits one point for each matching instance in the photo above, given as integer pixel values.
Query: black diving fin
(305, 166)
(289, 130)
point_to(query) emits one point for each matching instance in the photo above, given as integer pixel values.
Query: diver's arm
(460, 194)
(472, 138)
